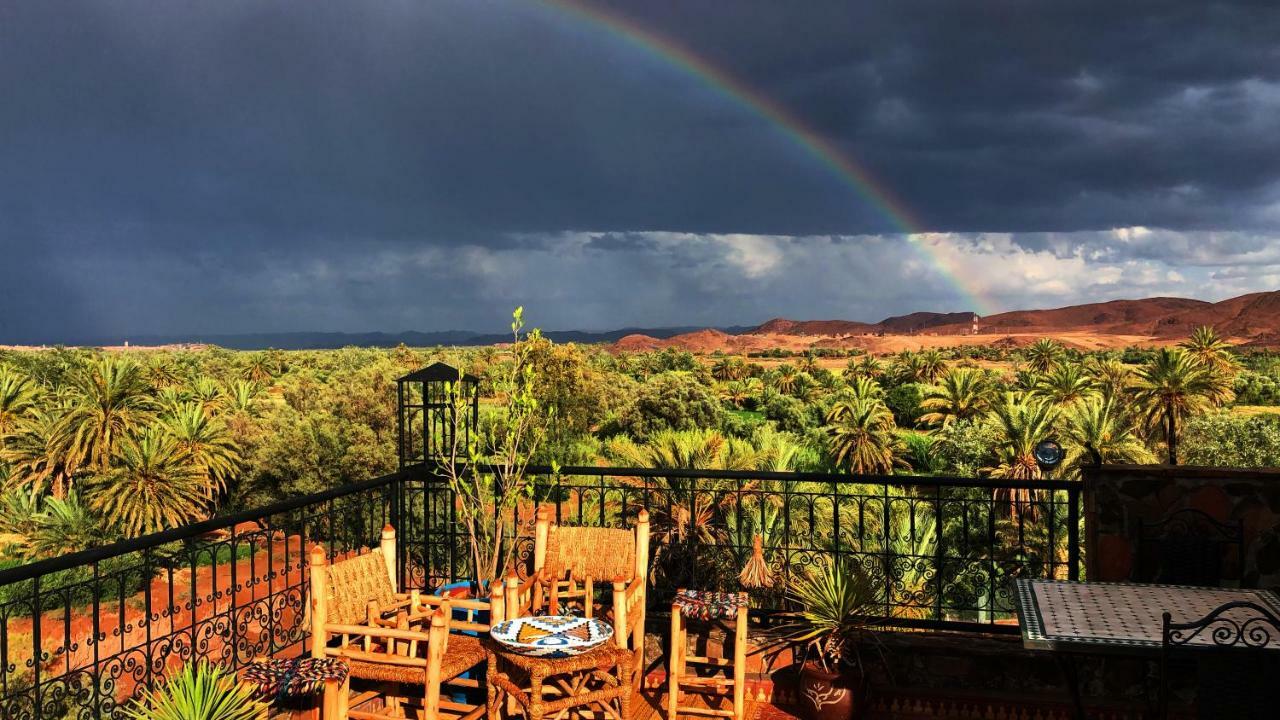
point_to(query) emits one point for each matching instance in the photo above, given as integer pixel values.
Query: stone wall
(1118, 497)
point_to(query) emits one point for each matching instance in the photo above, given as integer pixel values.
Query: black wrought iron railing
(85, 632)
(942, 551)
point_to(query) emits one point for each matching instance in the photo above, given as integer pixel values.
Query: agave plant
(837, 597)
(199, 692)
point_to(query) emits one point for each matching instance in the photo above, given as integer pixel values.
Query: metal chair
(1236, 653)
(567, 564)
(1187, 547)
(393, 639)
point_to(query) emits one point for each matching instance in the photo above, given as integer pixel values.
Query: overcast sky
(254, 165)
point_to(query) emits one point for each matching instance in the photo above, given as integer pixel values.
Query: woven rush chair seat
(464, 652)
(708, 605)
(278, 679)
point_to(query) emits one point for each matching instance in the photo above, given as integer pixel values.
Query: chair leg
(675, 663)
(431, 703)
(344, 700)
(329, 700)
(740, 666)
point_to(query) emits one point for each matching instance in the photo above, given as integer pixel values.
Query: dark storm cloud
(247, 165)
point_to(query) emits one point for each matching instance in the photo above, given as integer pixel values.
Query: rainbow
(875, 193)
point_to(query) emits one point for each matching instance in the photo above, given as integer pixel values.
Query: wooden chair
(392, 638)
(568, 565)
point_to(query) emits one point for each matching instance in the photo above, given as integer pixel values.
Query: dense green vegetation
(100, 445)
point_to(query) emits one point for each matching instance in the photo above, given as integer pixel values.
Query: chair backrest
(606, 554)
(354, 583)
(1236, 647)
(1187, 547)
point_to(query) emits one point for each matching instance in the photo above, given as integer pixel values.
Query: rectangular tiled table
(1114, 618)
(1084, 618)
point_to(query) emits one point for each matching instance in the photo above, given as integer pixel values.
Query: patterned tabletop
(1116, 617)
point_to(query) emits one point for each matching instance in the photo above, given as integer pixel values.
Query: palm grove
(96, 446)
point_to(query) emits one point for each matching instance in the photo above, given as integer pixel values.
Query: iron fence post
(1073, 532)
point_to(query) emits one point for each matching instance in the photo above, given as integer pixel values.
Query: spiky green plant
(199, 691)
(837, 597)
(1043, 355)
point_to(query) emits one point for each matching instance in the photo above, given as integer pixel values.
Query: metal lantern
(425, 422)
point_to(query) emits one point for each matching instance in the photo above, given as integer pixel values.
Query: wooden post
(513, 605)
(435, 656)
(497, 604)
(642, 597)
(740, 666)
(673, 665)
(389, 553)
(541, 531)
(319, 600)
(642, 546)
(620, 612)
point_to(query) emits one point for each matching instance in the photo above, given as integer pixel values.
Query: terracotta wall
(1118, 497)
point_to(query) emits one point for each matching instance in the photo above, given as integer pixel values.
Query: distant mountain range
(1252, 319)
(330, 340)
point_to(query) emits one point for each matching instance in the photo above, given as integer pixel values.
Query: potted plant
(486, 467)
(837, 597)
(200, 691)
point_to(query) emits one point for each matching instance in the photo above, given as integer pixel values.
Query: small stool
(709, 606)
(278, 680)
(548, 687)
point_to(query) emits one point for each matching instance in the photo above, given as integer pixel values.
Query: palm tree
(784, 378)
(109, 399)
(17, 397)
(1100, 423)
(921, 450)
(861, 431)
(207, 442)
(864, 387)
(922, 367)
(729, 368)
(1211, 350)
(961, 394)
(738, 392)
(1043, 355)
(867, 366)
(261, 368)
(1171, 386)
(809, 361)
(208, 393)
(64, 525)
(155, 486)
(930, 366)
(37, 454)
(241, 398)
(162, 373)
(1065, 384)
(1111, 377)
(1022, 422)
(680, 507)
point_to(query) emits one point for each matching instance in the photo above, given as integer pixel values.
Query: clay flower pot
(828, 695)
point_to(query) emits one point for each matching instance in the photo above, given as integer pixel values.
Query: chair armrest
(377, 632)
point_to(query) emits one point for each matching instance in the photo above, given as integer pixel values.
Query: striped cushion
(707, 605)
(279, 678)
